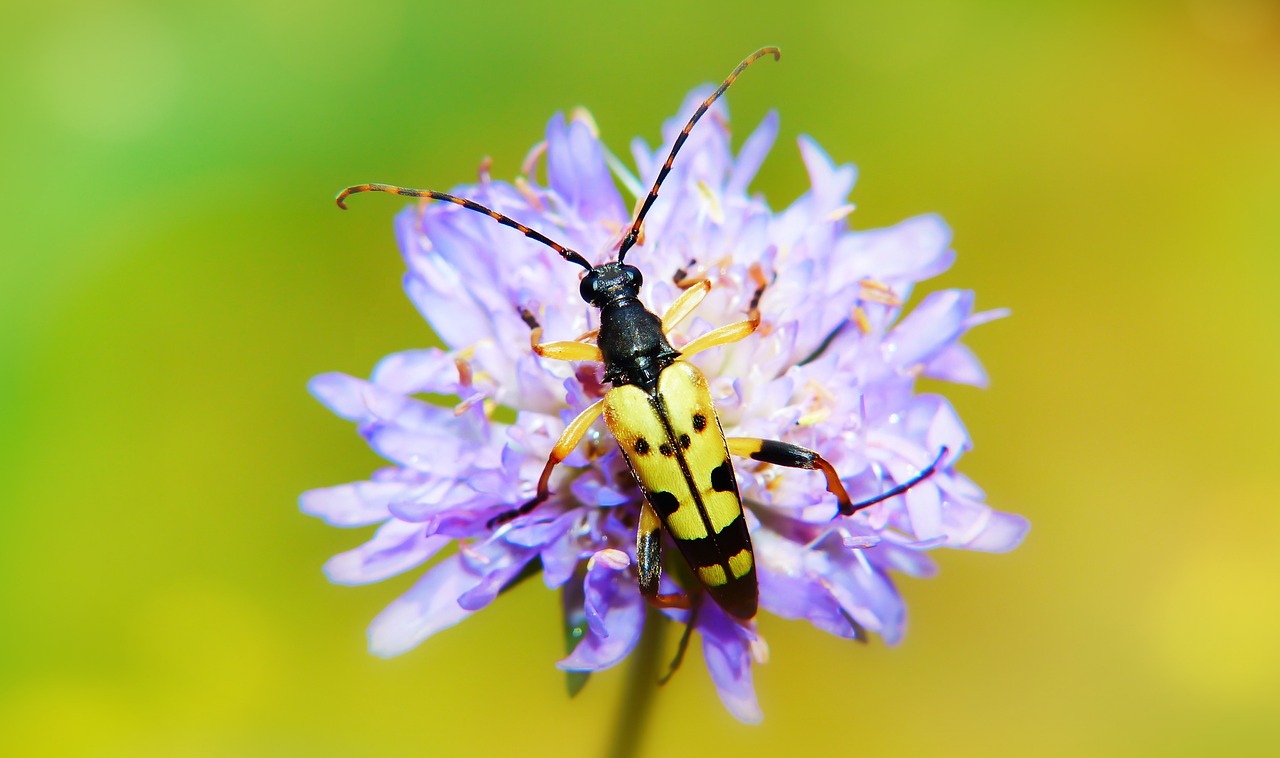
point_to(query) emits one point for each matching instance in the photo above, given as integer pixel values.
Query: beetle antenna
(634, 233)
(901, 488)
(566, 253)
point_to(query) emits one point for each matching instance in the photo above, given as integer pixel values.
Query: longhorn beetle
(661, 414)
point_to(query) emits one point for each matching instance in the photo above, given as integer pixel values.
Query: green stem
(642, 683)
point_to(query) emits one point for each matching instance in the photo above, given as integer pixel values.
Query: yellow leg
(684, 305)
(572, 435)
(722, 336)
(564, 351)
(559, 351)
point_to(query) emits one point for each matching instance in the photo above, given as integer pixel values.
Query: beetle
(661, 414)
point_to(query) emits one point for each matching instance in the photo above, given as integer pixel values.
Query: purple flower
(833, 368)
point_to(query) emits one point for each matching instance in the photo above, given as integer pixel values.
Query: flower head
(832, 368)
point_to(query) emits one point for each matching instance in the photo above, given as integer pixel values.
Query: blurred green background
(172, 270)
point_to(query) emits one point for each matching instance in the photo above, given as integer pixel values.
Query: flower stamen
(878, 292)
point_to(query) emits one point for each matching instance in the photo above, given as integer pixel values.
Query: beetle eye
(634, 277)
(587, 287)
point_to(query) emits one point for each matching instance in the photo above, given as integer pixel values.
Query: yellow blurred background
(172, 271)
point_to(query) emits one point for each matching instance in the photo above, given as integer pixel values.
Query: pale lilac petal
(957, 363)
(726, 648)
(355, 399)
(752, 154)
(396, 547)
(924, 507)
(802, 597)
(831, 183)
(935, 323)
(429, 606)
(914, 250)
(458, 322)
(355, 504)
(413, 371)
(978, 527)
(577, 172)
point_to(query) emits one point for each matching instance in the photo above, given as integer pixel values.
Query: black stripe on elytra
(718, 548)
(722, 478)
(664, 503)
(659, 405)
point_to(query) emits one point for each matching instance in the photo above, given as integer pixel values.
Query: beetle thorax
(631, 340)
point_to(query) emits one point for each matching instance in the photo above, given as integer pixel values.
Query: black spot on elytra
(666, 449)
(699, 422)
(685, 442)
(664, 503)
(722, 478)
(642, 446)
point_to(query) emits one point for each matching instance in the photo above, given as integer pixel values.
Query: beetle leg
(649, 550)
(794, 456)
(559, 351)
(565, 351)
(649, 561)
(723, 335)
(572, 435)
(684, 642)
(685, 304)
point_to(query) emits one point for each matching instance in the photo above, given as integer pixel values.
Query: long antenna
(566, 253)
(634, 233)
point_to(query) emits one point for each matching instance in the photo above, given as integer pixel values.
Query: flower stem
(642, 683)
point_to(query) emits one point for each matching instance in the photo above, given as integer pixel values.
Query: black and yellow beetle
(661, 414)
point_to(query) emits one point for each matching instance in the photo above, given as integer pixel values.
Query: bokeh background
(173, 270)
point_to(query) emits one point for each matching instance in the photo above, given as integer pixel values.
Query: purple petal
(935, 323)
(802, 597)
(495, 564)
(355, 504)
(868, 595)
(356, 399)
(924, 507)
(577, 172)
(957, 363)
(752, 154)
(457, 321)
(590, 490)
(913, 250)
(831, 183)
(979, 527)
(413, 371)
(726, 648)
(429, 606)
(614, 611)
(396, 547)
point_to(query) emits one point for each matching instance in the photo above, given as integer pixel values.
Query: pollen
(860, 320)
(526, 191)
(714, 211)
(878, 292)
